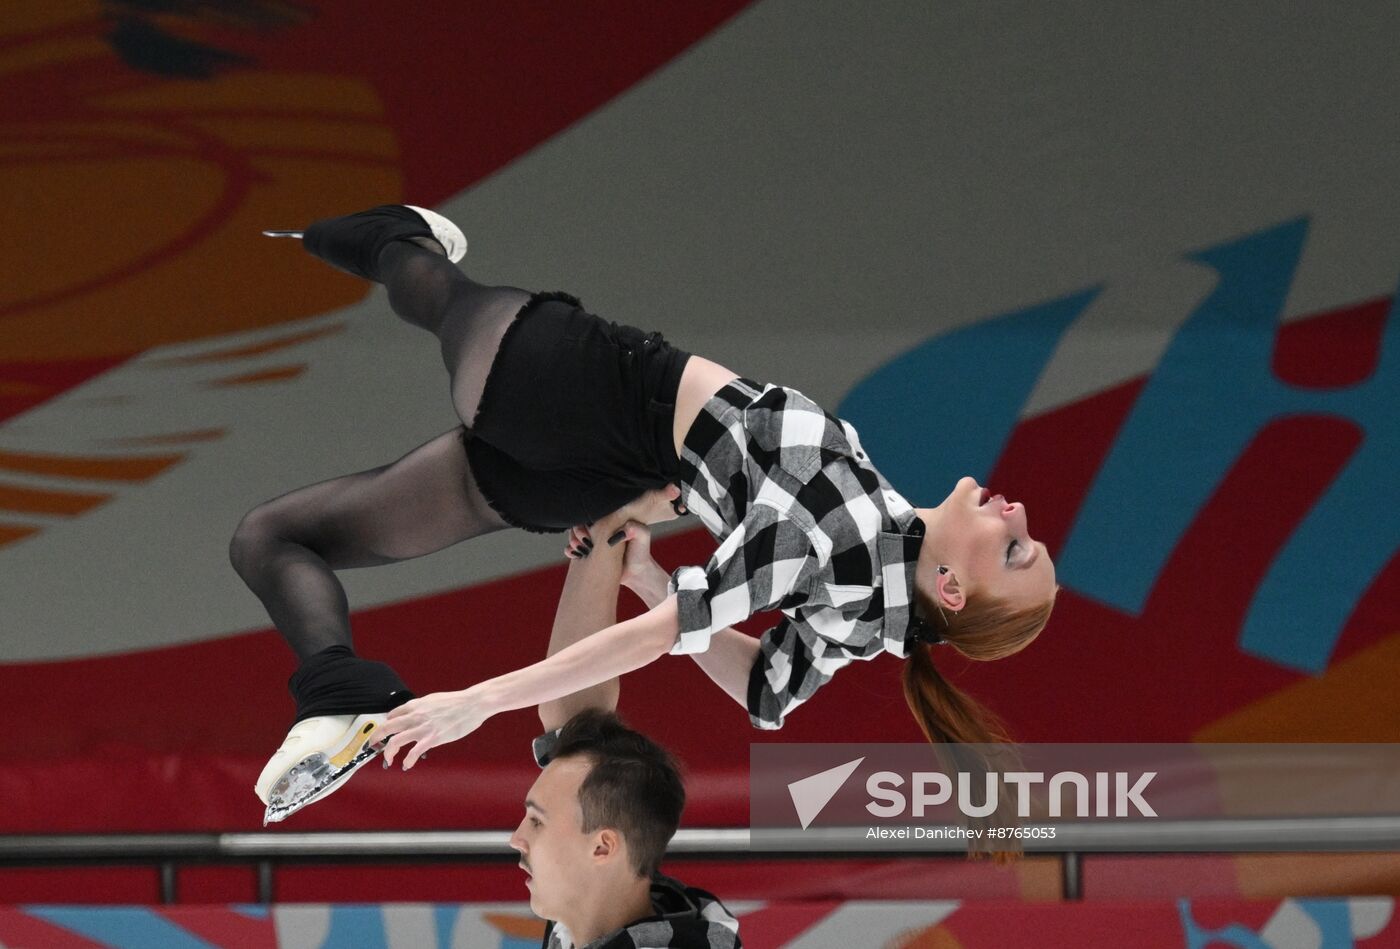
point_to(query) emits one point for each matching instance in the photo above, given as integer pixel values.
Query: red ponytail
(952, 720)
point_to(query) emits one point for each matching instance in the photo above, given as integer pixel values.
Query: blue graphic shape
(444, 918)
(252, 910)
(946, 408)
(356, 927)
(1342, 545)
(362, 927)
(1332, 917)
(1236, 935)
(1213, 390)
(125, 927)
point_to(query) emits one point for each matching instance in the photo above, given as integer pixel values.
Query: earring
(943, 569)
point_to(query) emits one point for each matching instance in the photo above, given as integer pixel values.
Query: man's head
(599, 816)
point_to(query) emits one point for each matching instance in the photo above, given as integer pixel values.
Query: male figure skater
(608, 800)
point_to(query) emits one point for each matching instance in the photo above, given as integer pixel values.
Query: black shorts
(575, 417)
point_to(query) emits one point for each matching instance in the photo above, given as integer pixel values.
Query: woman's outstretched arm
(447, 716)
(604, 655)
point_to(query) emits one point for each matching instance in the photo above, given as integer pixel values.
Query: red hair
(985, 629)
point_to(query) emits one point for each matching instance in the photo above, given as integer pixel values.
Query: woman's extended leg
(468, 318)
(404, 249)
(287, 549)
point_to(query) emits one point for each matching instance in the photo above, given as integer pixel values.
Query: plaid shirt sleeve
(793, 662)
(758, 564)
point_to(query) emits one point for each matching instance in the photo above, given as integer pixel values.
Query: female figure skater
(571, 420)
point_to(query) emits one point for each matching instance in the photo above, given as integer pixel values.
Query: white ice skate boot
(318, 756)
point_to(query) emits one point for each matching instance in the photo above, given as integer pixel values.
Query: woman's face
(985, 540)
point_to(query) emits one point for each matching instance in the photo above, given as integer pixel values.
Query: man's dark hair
(633, 787)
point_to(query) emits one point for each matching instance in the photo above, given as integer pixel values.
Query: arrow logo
(811, 794)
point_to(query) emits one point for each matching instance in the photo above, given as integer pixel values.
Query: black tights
(288, 549)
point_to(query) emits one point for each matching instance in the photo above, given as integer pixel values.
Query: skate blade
(275, 233)
(310, 780)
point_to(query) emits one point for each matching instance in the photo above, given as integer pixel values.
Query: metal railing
(266, 850)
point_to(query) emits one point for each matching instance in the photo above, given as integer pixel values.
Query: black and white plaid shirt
(805, 525)
(685, 918)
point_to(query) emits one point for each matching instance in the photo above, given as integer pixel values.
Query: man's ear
(607, 845)
(950, 593)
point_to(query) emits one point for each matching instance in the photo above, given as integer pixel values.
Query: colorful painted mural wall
(1137, 272)
(1290, 924)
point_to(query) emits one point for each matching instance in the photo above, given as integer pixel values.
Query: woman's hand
(640, 572)
(653, 507)
(431, 721)
(579, 544)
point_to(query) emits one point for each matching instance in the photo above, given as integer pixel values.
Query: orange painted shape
(279, 374)
(935, 937)
(255, 349)
(516, 927)
(74, 466)
(33, 501)
(1276, 876)
(35, 55)
(261, 91)
(1039, 878)
(9, 533)
(306, 135)
(35, 15)
(1354, 700)
(175, 438)
(103, 138)
(183, 176)
(50, 263)
(243, 280)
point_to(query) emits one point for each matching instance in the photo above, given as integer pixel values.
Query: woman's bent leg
(468, 318)
(399, 247)
(287, 549)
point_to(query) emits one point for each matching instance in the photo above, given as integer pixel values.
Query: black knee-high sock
(353, 242)
(337, 682)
